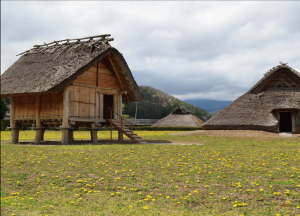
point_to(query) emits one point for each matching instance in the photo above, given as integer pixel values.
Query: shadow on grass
(89, 142)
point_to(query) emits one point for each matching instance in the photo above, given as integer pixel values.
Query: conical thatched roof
(52, 66)
(179, 117)
(279, 89)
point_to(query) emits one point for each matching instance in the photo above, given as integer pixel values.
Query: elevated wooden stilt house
(69, 83)
(273, 104)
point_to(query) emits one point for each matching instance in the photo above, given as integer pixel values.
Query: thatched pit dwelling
(180, 116)
(68, 83)
(273, 104)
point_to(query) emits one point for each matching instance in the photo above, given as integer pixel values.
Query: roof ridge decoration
(66, 44)
(281, 65)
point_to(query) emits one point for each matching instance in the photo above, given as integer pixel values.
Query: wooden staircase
(126, 131)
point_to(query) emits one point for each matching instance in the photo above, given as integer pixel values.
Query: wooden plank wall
(51, 106)
(83, 98)
(82, 101)
(25, 107)
(105, 78)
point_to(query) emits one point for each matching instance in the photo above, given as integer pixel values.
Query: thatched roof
(179, 117)
(279, 89)
(181, 110)
(52, 66)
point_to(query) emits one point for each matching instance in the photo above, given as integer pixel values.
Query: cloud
(192, 50)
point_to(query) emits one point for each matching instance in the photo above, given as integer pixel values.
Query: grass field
(210, 176)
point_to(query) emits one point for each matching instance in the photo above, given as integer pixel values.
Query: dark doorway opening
(108, 102)
(285, 122)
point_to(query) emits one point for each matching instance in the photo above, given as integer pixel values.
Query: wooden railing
(111, 118)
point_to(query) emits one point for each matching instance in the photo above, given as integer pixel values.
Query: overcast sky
(191, 50)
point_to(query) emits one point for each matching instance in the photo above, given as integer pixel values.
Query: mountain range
(211, 106)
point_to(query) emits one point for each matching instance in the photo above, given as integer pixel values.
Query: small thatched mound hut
(273, 104)
(179, 117)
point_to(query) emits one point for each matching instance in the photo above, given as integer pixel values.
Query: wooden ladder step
(126, 131)
(141, 141)
(134, 136)
(138, 139)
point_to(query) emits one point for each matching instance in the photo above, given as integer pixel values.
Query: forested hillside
(157, 104)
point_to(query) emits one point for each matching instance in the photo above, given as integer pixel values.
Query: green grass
(224, 176)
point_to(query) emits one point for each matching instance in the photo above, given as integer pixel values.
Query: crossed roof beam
(58, 44)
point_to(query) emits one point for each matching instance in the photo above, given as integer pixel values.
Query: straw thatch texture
(181, 110)
(179, 117)
(53, 68)
(257, 109)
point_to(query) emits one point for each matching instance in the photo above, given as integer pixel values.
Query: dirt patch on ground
(232, 133)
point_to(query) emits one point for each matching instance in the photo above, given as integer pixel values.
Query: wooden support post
(110, 125)
(15, 135)
(120, 136)
(121, 103)
(120, 133)
(71, 135)
(39, 135)
(115, 107)
(94, 133)
(65, 120)
(38, 123)
(18, 132)
(14, 126)
(65, 136)
(43, 135)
